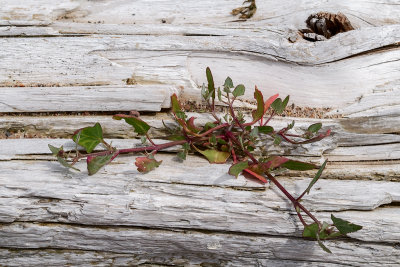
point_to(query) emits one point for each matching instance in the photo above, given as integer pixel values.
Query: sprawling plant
(226, 138)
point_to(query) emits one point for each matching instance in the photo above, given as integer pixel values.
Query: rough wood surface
(124, 55)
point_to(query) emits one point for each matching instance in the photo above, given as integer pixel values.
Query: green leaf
(139, 126)
(210, 79)
(323, 246)
(280, 106)
(228, 83)
(209, 125)
(214, 156)
(254, 132)
(239, 90)
(89, 137)
(277, 140)
(265, 129)
(311, 231)
(143, 139)
(259, 112)
(314, 128)
(298, 165)
(94, 164)
(146, 164)
(344, 226)
(219, 94)
(55, 150)
(182, 155)
(176, 106)
(237, 168)
(66, 164)
(213, 140)
(285, 102)
(316, 177)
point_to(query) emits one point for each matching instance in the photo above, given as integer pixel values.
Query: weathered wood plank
(88, 98)
(194, 248)
(208, 199)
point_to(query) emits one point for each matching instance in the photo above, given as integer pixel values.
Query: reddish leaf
(259, 112)
(191, 126)
(146, 164)
(269, 102)
(277, 161)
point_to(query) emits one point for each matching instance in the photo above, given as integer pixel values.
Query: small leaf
(265, 129)
(314, 128)
(94, 164)
(219, 94)
(259, 112)
(277, 140)
(89, 137)
(345, 227)
(239, 90)
(210, 79)
(254, 132)
(269, 102)
(298, 165)
(285, 102)
(316, 177)
(214, 156)
(323, 246)
(55, 150)
(280, 106)
(182, 155)
(66, 164)
(209, 125)
(176, 106)
(139, 126)
(237, 168)
(213, 140)
(146, 164)
(228, 83)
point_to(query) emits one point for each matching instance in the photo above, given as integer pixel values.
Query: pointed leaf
(313, 128)
(210, 79)
(280, 106)
(316, 177)
(176, 106)
(345, 227)
(298, 165)
(239, 90)
(323, 246)
(55, 150)
(146, 164)
(284, 103)
(259, 112)
(269, 102)
(94, 164)
(237, 168)
(139, 126)
(66, 164)
(219, 94)
(89, 137)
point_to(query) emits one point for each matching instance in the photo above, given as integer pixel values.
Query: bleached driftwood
(132, 55)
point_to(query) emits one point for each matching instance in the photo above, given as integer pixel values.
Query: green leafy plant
(227, 138)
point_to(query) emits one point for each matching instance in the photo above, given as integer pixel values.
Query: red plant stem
(148, 138)
(214, 129)
(301, 218)
(270, 117)
(234, 115)
(233, 138)
(256, 175)
(291, 198)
